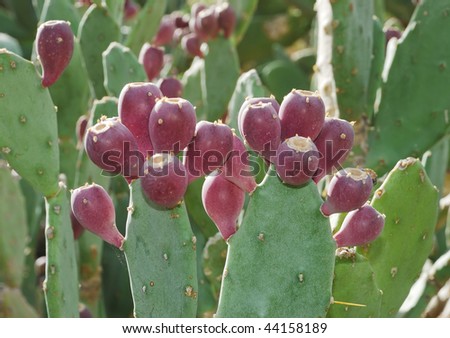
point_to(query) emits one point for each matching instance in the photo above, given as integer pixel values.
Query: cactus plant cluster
(207, 146)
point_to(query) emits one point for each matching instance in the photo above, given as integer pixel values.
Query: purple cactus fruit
(152, 58)
(260, 126)
(179, 34)
(197, 8)
(165, 32)
(180, 20)
(223, 202)
(237, 169)
(334, 144)
(130, 9)
(136, 101)
(77, 228)
(210, 148)
(207, 24)
(191, 44)
(248, 101)
(360, 227)
(84, 311)
(54, 46)
(226, 18)
(80, 128)
(297, 160)
(348, 190)
(165, 180)
(171, 87)
(113, 148)
(302, 113)
(94, 209)
(172, 124)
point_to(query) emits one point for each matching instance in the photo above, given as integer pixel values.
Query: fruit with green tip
(334, 144)
(54, 47)
(113, 148)
(172, 124)
(348, 190)
(152, 58)
(223, 202)
(297, 160)
(237, 168)
(260, 126)
(165, 180)
(360, 227)
(171, 87)
(209, 149)
(302, 113)
(136, 101)
(94, 209)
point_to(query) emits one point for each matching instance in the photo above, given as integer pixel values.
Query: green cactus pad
(116, 9)
(193, 91)
(248, 85)
(244, 12)
(349, 301)
(120, 67)
(214, 256)
(61, 277)
(60, 10)
(13, 229)
(160, 249)
(97, 30)
(352, 31)
(14, 305)
(220, 77)
(280, 262)
(28, 129)
(407, 104)
(9, 43)
(410, 202)
(146, 24)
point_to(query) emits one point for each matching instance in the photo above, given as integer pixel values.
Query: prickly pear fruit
(237, 169)
(334, 144)
(226, 18)
(165, 32)
(260, 126)
(180, 20)
(165, 180)
(172, 124)
(210, 148)
(207, 24)
(192, 45)
(301, 113)
(77, 228)
(113, 148)
(297, 160)
(223, 202)
(171, 87)
(348, 190)
(152, 58)
(254, 100)
(197, 8)
(54, 46)
(130, 9)
(94, 209)
(80, 128)
(360, 227)
(136, 101)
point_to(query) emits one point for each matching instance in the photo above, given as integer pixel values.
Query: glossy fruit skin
(165, 180)
(113, 148)
(54, 47)
(348, 190)
(152, 58)
(237, 168)
(295, 166)
(301, 113)
(171, 87)
(94, 209)
(172, 124)
(360, 227)
(136, 101)
(226, 18)
(334, 144)
(209, 149)
(255, 100)
(260, 126)
(223, 202)
(191, 44)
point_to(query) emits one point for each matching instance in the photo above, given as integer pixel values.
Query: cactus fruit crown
(300, 144)
(158, 161)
